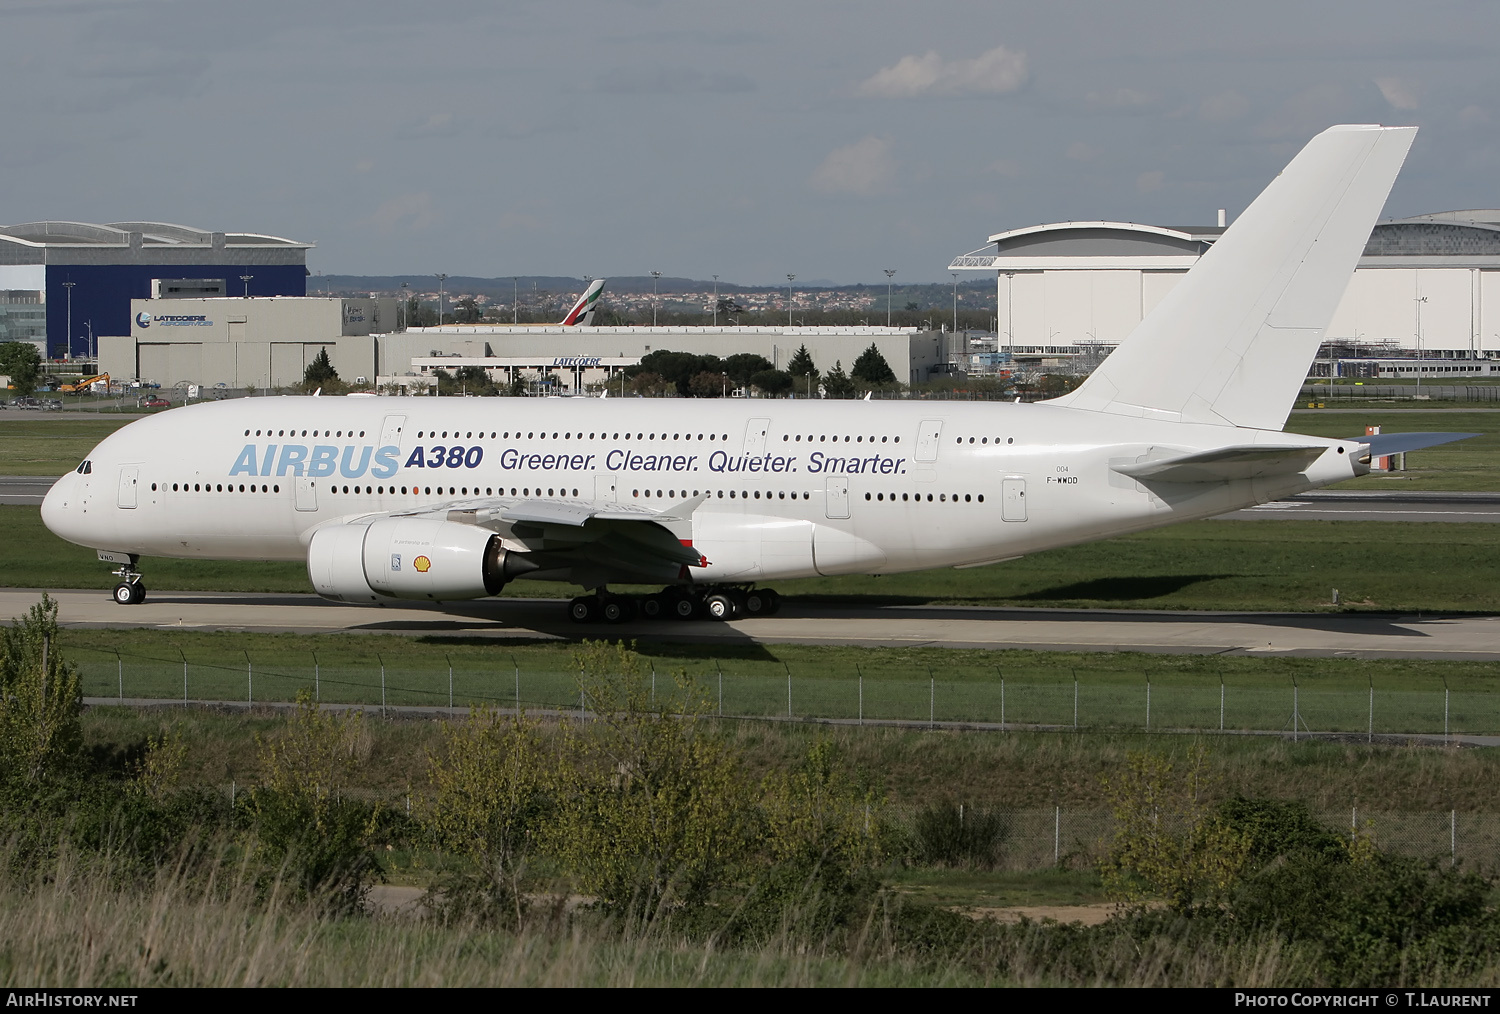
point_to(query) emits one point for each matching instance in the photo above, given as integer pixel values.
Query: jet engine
(410, 558)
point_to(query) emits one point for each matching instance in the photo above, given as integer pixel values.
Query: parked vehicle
(158, 403)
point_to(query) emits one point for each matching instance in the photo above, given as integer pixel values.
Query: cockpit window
(85, 468)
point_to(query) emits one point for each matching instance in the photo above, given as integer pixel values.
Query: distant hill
(502, 288)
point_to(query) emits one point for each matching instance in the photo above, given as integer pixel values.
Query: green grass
(1249, 565)
(32, 444)
(1468, 465)
(997, 888)
(832, 682)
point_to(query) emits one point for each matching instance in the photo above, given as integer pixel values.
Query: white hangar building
(1428, 284)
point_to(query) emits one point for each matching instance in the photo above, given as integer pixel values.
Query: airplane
(389, 499)
(582, 314)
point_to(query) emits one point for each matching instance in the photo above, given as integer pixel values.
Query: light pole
(655, 277)
(1419, 301)
(69, 346)
(889, 274)
(716, 300)
(441, 279)
(515, 294)
(1010, 284)
(789, 278)
(92, 359)
(246, 280)
(405, 314)
(955, 301)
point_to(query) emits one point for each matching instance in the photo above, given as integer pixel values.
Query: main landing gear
(131, 591)
(714, 602)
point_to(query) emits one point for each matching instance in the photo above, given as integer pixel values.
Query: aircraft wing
(1222, 464)
(582, 537)
(1382, 444)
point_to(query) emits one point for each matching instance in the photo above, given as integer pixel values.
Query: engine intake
(410, 558)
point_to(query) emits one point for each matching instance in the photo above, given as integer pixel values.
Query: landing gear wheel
(720, 606)
(758, 602)
(653, 607)
(684, 607)
(130, 593)
(617, 610)
(584, 609)
(773, 601)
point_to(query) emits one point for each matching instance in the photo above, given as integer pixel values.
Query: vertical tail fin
(582, 314)
(1232, 343)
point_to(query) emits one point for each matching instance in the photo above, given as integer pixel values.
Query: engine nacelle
(409, 558)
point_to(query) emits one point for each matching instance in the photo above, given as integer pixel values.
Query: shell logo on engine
(422, 564)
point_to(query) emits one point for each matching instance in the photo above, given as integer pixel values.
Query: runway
(1327, 505)
(1343, 635)
(24, 490)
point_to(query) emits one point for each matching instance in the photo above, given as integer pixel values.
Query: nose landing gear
(131, 591)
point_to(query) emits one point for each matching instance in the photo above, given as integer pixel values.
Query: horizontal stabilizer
(1222, 464)
(1383, 444)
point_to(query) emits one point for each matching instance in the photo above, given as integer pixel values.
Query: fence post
(249, 680)
(1148, 703)
(861, 693)
(184, 678)
(518, 683)
(931, 700)
(450, 699)
(1221, 702)
(721, 688)
(788, 688)
(653, 684)
(317, 679)
(1445, 711)
(1453, 837)
(120, 671)
(1075, 700)
(1370, 732)
(1002, 703)
(382, 684)
(1296, 714)
(1057, 836)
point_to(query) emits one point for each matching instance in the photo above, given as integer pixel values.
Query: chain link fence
(1038, 839)
(994, 702)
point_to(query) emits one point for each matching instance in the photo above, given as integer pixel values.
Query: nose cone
(62, 512)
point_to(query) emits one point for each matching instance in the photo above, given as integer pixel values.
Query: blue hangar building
(61, 282)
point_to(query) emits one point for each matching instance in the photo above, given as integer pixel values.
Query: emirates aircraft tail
(582, 314)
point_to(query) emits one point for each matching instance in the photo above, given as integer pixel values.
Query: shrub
(1275, 827)
(950, 834)
(41, 703)
(652, 810)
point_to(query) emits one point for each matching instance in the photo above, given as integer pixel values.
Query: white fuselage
(794, 488)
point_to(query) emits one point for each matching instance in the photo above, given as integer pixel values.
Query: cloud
(1473, 116)
(413, 212)
(669, 80)
(434, 125)
(995, 72)
(364, 165)
(1399, 92)
(1119, 99)
(1223, 107)
(1148, 182)
(1080, 152)
(1007, 167)
(864, 168)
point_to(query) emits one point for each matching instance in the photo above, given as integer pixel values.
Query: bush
(949, 834)
(1275, 828)
(41, 703)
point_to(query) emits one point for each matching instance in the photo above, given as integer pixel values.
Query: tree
(729, 308)
(802, 364)
(470, 380)
(708, 385)
(837, 383)
(319, 372)
(912, 306)
(772, 382)
(23, 363)
(872, 368)
(41, 704)
(468, 310)
(742, 366)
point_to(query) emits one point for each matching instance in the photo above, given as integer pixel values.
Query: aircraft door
(1013, 500)
(307, 494)
(129, 479)
(838, 496)
(604, 487)
(755, 436)
(928, 438)
(390, 430)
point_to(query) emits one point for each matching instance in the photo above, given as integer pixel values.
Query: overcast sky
(827, 139)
